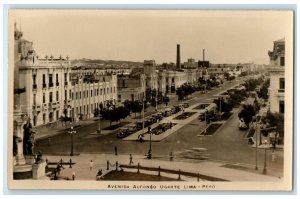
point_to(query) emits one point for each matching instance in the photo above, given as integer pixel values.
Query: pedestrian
(116, 150)
(49, 141)
(171, 156)
(91, 165)
(73, 175)
(58, 168)
(130, 159)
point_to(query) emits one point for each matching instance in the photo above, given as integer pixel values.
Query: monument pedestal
(39, 170)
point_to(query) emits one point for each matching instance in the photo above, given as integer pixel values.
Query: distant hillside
(105, 62)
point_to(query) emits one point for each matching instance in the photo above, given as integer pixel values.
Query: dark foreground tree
(247, 113)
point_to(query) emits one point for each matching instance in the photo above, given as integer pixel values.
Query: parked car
(177, 109)
(131, 128)
(242, 124)
(123, 132)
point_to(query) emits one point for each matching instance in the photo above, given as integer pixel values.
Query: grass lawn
(184, 115)
(212, 129)
(131, 176)
(201, 107)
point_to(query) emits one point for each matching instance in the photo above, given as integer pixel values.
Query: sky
(226, 36)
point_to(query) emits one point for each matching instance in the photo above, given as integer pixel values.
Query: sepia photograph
(150, 99)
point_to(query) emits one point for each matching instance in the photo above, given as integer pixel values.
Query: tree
(115, 114)
(263, 91)
(137, 107)
(247, 113)
(166, 100)
(225, 106)
(274, 120)
(184, 90)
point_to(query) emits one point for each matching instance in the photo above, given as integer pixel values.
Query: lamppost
(257, 129)
(265, 164)
(99, 124)
(150, 147)
(72, 140)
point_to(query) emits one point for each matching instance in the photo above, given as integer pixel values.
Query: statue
(29, 139)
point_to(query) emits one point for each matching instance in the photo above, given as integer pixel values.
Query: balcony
(50, 85)
(36, 108)
(57, 83)
(34, 87)
(44, 107)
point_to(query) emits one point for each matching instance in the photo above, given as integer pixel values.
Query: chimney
(178, 64)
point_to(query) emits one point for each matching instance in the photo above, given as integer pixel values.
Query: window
(110, 89)
(76, 95)
(50, 80)
(57, 96)
(173, 80)
(34, 99)
(44, 98)
(281, 83)
(44, 81)
(66, 95)
(101, 91)
(104, 91)
(83, 94)
(114, 89)
(80, 95)
(56, 78)
(107, 91)
(44, 118)
(66, 77)
(91, 93)
(132, 97)
(50, 97)
(281, 61)
(70, 94)
(123, 83)
(119, 98)
(34, 79)
(281, 106)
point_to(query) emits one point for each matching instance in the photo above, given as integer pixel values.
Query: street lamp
(72, 140)
(150, 147)
(99, 124)
(265, 164)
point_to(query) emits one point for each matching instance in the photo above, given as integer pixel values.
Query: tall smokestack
(178, 64)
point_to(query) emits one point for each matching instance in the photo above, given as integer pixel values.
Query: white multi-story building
(53, 89)
(277, 80)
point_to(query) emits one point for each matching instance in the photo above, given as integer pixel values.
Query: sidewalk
(210, 168)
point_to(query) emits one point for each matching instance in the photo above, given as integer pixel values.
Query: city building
(277, 80)
(131, 87)
(218, 70)
(151, 74)
(53, 88)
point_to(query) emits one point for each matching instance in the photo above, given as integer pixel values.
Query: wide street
(226, 145)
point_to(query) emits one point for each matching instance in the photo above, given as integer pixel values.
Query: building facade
(277, 79)
(131, 88)
(53, 89)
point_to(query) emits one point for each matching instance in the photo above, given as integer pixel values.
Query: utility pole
(256, 146)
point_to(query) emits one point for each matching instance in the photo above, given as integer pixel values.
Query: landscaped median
(211, 129)
(181, 119)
